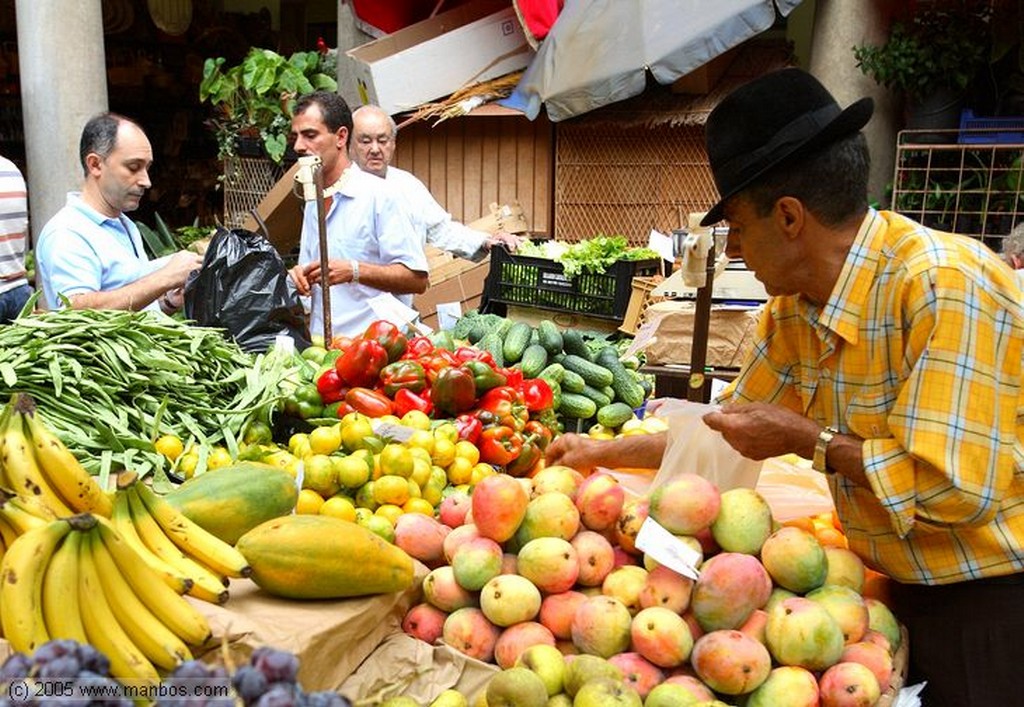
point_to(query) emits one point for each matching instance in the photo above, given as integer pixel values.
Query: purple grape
(17, 665)
(279, 695)
(326, 698)
(92, 660)
(192, 669)
(66, 666)
(276, 665)
(249, 683)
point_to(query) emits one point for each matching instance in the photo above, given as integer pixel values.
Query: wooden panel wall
(469, 163)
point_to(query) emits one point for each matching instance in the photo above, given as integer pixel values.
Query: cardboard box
(667, 336)
(451, 280)
(475, 42)
(702, 79)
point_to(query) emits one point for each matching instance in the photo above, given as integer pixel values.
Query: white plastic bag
(693, 447)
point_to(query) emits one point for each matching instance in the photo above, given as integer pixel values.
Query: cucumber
(572, 343)
(556, 394)
(599, 398)
(576, 405)
(478, 330)
(516, 341)
(550, 337)
(492, 344)
(534, 359)
(572, 381)
(503, 328)
(552, 373)
(614, 414)
(594, 374)
(648, 386)
(624, 382)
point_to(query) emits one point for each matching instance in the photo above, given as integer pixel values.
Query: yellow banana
(60, 591)
(206, 585)
(21, 471)
(125, 527)
(76, 486)
(171, 609)
(156, 641)
(8, 533)
(21, 585)
(101, 626)
(21, 520)
(31, 505)
(192, 538)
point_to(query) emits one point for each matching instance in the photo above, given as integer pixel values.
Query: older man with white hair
(374, 136)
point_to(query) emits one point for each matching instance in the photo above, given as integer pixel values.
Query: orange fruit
(418, 505)
(396, 459)
(460, 471)
(309, 502)
(170, 446)
(391, 488)
(339, 507)
(390, 511)
(466, 449)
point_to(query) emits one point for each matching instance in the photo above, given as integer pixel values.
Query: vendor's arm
(395, 278)
(586, 453)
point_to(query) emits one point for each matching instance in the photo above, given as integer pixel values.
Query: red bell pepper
(331, 387)
(499, 445)
(471, 353)
(340, 343)
(361, 363)
(513, 377)
(418, 346)
(435, 362)
(338, 409)
(453, 390)
(389, 336)
(529, 455)
(403, 374)
(484, 376)
(469, 427)
(406, 400)
(506, 404)
(537, 394)
(368, 402)
(540, 431)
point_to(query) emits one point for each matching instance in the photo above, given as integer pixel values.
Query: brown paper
(330, 637)
(669, 332)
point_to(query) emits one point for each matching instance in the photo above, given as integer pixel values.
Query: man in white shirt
(374, 136)
(14, 289)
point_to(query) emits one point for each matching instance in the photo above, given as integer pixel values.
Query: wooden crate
(640, 299)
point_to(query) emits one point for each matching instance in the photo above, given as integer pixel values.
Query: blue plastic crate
(990, 131)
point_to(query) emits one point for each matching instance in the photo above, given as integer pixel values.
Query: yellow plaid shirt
(917, 351)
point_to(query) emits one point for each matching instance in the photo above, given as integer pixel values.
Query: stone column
(838, 27)
(63, 73)
(349, 37)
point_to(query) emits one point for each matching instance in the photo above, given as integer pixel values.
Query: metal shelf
(960, 181)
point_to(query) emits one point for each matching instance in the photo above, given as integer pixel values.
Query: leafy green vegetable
(595, 255)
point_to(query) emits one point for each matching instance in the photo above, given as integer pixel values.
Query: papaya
(233, 500)
(323, 557)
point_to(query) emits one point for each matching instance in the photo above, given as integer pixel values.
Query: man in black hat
(888, 353)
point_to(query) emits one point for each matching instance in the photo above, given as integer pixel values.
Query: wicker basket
(900, 665)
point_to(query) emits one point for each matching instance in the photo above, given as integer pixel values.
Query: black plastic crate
(539, 282)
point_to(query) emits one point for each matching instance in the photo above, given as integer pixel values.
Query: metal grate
(971, 188)
(246, 181)
(612, 180)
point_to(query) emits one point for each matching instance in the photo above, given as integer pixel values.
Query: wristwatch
(821, 448)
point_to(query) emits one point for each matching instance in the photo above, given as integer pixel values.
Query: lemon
(380, 525)
(414, 489)
(598, 430)
(281, 459)
(391, 488)
(438, 476)
(417, 419)
(219, 458)
(480, 472)
(389, 511)
(448, 431)
(326, 439)
(433, 493)
(170, 446)
(420, 453)
(396, 459)
(297, 441)
(422, 440)
(654, 424)
(187, 463)
(418, 505)
(634, 423)
(365, 496)
(460, 471)
(352, 471)
(465, 448)
(389, 419)
(319, 475)
(444, 452)
(362, 514)
(420, 472)
(258, 432)
(355, 430)
(309, 502)
(339, 507)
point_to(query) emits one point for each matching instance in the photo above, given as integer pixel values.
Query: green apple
(548, 662)
(607, 692)
(516, 687)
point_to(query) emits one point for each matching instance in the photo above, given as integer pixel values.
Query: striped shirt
(918, 352)
(13, 226)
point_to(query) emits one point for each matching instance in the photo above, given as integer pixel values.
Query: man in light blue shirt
(90, 252)
(370, 237)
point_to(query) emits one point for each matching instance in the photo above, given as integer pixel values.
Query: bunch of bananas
(190, 559)
(18, 515)
(77, 578)
(35, 463)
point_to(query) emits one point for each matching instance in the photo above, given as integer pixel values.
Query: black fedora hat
(775, 118)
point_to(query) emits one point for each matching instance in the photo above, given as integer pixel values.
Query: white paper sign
(447, 314)
(662, 244)
(387, 306)
(667, 549)
(717, 386)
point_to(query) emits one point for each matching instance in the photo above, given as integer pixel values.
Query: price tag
(387, 306)
(447, 314)
(667, 549)
(662, 244)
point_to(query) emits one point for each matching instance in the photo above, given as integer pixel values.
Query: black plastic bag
(244, 288)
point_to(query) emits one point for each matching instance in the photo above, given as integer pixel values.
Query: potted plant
(932, 57)
(255, 99)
